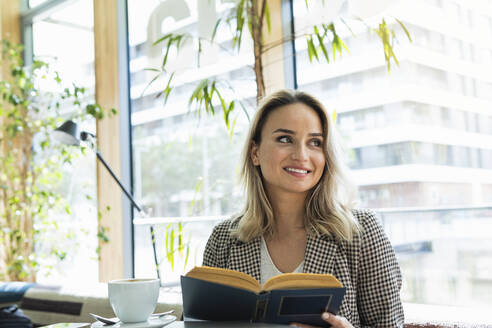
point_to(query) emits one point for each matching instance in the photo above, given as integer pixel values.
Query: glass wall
(65, 40)
(418, 138)
(184, 164)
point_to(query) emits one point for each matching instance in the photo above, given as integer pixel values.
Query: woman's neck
(288, 210)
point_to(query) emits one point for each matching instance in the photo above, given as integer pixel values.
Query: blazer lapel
(246, 257)
(320, 255)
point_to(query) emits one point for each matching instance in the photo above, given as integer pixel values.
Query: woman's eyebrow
(313, 134)
(284, 131)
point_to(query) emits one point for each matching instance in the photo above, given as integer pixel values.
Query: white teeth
(296, 170)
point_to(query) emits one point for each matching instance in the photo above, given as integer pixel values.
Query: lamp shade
(68, 133)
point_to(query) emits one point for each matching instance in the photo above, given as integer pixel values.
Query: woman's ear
(254, 153)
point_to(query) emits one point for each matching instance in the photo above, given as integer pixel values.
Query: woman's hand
(334, 320)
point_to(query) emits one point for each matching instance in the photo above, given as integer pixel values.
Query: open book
(228, 295)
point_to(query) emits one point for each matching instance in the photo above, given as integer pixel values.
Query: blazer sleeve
(216, 252)
(379, 278)
(210, 255)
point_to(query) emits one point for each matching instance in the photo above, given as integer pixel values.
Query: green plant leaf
(199, 52)
(311, 49)
(171, 247)
(187, 256)
(321, 44)
(165, 37)
(404, 29)
(149, 84)
(216, 27)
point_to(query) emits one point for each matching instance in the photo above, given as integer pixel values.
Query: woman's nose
(300, 152)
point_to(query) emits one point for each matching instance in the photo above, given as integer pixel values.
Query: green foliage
(209, 94)
(324, 33)
(387, 36)
(31, 101)
(176, 249)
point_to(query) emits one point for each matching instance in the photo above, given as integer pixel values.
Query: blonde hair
(329, 204)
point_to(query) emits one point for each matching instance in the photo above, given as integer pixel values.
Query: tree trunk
(256, 32)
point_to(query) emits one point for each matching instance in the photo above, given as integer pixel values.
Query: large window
(64, 39)
(419, 140)
(184, 165)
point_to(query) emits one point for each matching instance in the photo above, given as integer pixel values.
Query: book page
(301, 280)
(225, 277)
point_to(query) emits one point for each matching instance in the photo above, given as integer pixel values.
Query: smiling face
(290, 154)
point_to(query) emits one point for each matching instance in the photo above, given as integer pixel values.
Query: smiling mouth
(301, 171)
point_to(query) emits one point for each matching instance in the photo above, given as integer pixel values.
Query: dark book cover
(206, 300)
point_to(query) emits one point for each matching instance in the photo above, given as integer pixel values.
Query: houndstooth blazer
(367, 267)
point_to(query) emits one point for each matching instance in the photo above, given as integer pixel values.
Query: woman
(299, 215)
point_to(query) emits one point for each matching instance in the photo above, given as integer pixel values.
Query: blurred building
(422, 134)
(420, 140)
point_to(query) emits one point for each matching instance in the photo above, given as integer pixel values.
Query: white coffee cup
(133, 300)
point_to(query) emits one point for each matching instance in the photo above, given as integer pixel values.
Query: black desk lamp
(68, 133)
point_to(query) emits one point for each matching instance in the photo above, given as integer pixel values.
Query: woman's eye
(284, 139)
(316, 142)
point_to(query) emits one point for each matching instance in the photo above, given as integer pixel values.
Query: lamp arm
(130, 197)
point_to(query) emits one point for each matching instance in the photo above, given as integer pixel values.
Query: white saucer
(150, 323)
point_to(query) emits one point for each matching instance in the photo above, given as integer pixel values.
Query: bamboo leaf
(245, 111)
(198, 187)
(344, 46)
(232, 128)
(199, 51)
(168, 48)
(165, 37)
(312, 50)
(166, 234)
(168, 88)
(150, 69)
(206, 98)
(180, 238)
(222, 101)
(216, 27)
(178, 39)
(404, 29)
(227, 111)
(187, 256)
(196, 95)
(321, 44)
(148, 84)
(172, 250)
(239, 25)
(348, 27)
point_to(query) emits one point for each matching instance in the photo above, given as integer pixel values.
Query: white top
(268, 268)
